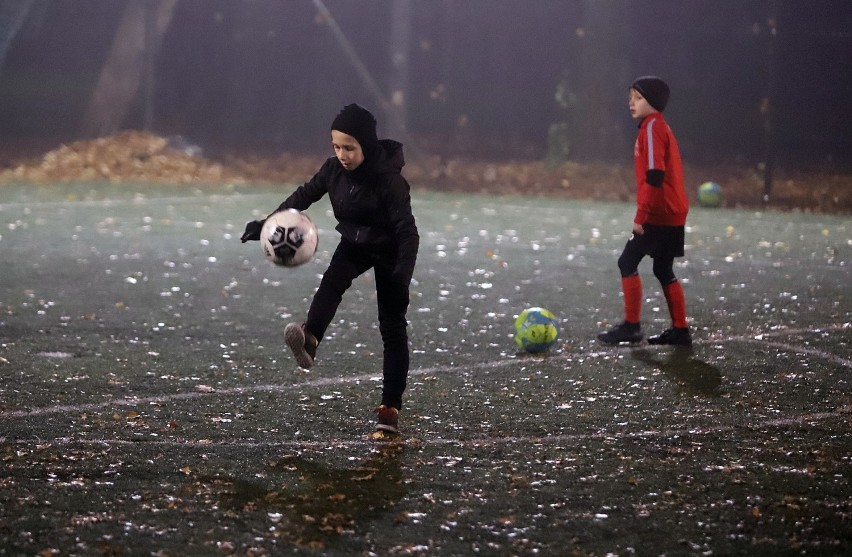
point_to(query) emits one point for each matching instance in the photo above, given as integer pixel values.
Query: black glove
(252, 230)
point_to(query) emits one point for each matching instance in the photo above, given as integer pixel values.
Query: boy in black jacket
(372, 205)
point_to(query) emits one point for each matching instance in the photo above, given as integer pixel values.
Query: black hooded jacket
(372, 204)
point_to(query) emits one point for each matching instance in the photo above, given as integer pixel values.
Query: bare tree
(400, 39)
(12, 16)
(604, 57)
(136, 40)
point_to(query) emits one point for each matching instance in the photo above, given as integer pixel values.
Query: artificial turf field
(148, 405)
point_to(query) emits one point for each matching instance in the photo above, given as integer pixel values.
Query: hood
(389, 158)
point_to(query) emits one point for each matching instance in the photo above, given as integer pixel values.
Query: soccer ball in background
(710, 194)
(536, 330)
(289, 238)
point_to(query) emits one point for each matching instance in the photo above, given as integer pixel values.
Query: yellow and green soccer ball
(710, 194)
(536, 330)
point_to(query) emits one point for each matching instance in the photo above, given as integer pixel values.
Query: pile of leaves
(126, 157)
(133, 157)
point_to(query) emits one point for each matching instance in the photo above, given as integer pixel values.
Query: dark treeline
(489, 78)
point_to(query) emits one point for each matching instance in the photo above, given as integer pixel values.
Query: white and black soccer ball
(289, 238)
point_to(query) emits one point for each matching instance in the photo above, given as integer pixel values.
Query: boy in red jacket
(658, 227)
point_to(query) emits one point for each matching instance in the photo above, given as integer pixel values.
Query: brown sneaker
(387, 419)
(302, 343)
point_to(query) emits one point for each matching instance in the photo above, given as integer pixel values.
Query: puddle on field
(310, 503)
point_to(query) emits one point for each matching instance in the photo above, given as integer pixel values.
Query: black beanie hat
(654, 89)
(360, 124)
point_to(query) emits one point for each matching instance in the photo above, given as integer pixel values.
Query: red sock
(677, 303)
(632, 288)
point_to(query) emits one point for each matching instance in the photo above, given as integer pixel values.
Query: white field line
(844, 413)
(834, 358)
(798, 420)
(330, 381)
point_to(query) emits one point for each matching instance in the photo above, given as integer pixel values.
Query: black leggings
(633, 254)
(349, 262)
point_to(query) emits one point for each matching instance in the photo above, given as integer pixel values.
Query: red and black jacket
(660, 198)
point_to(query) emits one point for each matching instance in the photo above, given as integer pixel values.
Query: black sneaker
(387, 419)
(677, 336)
(625, 332)
(302, 343)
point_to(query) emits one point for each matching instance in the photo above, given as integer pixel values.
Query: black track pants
(349, 262)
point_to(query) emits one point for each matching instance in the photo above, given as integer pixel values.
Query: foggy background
(751, 80)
